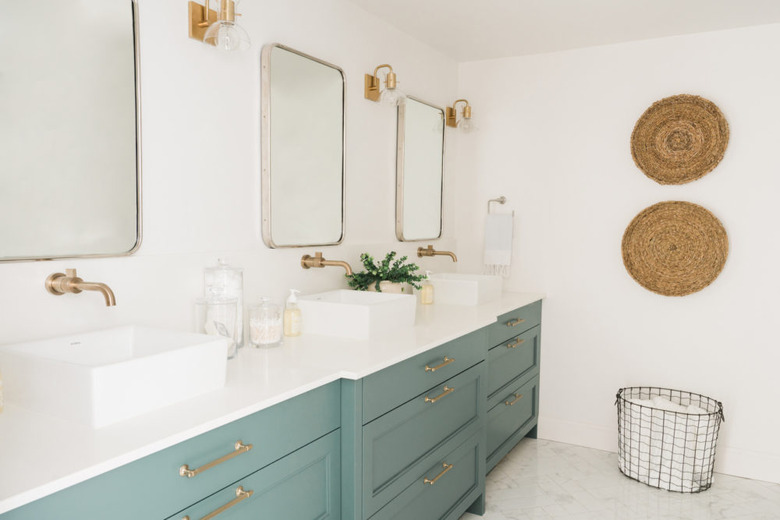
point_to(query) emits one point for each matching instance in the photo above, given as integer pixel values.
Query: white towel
(498, 243)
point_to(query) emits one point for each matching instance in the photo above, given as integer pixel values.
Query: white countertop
(40, 454)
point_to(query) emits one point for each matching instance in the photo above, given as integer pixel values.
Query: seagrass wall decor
(679, 139)
(675, 248)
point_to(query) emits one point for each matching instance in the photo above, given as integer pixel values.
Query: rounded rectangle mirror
(419, 170)
(302, 150)
(69, 132)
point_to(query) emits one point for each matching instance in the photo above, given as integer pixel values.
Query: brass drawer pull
(239, 448)
(447, 361)
(240, 495)
(432, 400)
(446, 467)
(516, 322)
(516, 344)
(513, 401)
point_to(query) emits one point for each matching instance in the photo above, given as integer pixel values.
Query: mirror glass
(68, 136)
(302, 149)
(419, 170)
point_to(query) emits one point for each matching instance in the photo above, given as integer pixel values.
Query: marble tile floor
(549, 480)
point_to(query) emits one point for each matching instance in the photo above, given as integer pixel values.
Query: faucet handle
(71, 273)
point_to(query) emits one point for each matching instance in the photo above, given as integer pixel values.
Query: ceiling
(469, 30)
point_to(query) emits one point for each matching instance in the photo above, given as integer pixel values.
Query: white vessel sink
(100, 378)
(356, 314)
(465, 289)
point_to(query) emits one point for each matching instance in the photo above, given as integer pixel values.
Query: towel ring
(500, 200)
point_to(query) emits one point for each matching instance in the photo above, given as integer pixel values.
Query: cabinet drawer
(151, 487)
(515, 358)
(304, 485)
(511, 419)
(513, 323)
(388, 388)
(460, 481)
(402, 444)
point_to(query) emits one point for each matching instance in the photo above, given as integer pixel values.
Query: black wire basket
(666, 438)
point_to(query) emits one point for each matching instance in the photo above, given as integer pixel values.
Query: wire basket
(666, 438)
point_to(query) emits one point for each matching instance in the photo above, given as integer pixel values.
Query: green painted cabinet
(406, 425)
(445, 489)
(153, 487)
(304, 485)
(513, 380)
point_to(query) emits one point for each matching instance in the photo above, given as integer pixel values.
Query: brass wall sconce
(217, 28)
(464, 123)
(390, 94)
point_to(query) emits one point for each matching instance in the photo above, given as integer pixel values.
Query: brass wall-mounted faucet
(430, 251)
(69, 282)
(308, 261)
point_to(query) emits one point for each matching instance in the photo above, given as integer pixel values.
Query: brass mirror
(69, 138)
(419, 170)
(302, 149)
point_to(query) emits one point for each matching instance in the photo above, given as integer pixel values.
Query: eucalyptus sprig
(387, 270)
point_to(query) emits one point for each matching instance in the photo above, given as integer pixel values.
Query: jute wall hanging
(675, 248)
(679, 139)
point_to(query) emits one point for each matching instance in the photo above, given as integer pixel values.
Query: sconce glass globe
(227, 36)
(467, 125)
(391, 97)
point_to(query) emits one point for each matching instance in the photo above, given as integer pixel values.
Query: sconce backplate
(198, 22)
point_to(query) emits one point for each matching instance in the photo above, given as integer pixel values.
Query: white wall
(201, 157)
(554, 138)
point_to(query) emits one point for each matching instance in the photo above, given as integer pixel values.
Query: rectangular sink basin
(103, 377)
(465, 289)
(356, 314)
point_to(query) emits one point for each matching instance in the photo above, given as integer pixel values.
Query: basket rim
(620, 397)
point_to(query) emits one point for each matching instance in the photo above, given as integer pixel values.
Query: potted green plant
(389, 275)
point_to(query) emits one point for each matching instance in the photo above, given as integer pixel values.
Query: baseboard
(579, 434)
(730, 461)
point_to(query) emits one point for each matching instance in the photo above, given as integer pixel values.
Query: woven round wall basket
(679, 139)
(675, 248)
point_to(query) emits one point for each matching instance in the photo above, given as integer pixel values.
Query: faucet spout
(430, 251)
(308, 261)
(68, 282)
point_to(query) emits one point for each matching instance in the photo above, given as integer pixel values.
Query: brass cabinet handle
(447, 361)
(447, 391)
(446, 467)
(513, 323)
(513, 401)
(239, 448)
(240, 495)
(517, 343)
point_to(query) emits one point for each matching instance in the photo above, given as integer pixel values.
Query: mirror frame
(399, 173)
(265, 144)
(138, 168)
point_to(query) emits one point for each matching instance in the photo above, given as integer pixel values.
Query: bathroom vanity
(399, 427)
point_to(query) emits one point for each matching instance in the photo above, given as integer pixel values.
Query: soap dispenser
(293, 322)
(426, 291)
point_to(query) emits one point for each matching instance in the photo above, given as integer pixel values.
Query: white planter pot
(392, 288)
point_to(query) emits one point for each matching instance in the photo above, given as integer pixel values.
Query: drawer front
(513, 323)
(405, 442)
(152, 488)
(515, 358)
(509, 420)
(388, 388)
(304, 485)
(444, 490)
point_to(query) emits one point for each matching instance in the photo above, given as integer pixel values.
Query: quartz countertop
(40, 454)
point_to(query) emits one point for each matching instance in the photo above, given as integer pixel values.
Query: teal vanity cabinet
(413, 439)
(291, 471)
(513, 380)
